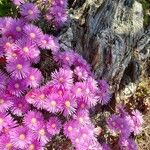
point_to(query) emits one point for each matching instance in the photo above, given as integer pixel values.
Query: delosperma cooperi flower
(33, 33)
(18, 68)
(16, 87)
(5, 143)
(35, 145)
(29, 11)
(69, 104)
(32, 120)
(20, 106)
(53, 125)
(3, 81)
(50, 43)
(34, 78)
(5, 101)
(63, 78)
(20, 137)
(52, 104)
(27, 49)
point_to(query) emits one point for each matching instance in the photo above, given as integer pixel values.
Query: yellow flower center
(69, 128)
(18, 29)
(19, 66)
(30, 12)
(81, 120)
(53, 125)
(1, 121)
(8, 145)
(32, 35)
(84, 135)
(31, 147)
(20, 105)
(82, 105)
(1, 101)
(33, 120)
(42, 132)
(17, 86)
(32, 77)
(44, 41)
(77, 140)
(61, 79)
(80, 74)
(8, 44)
(53, 103)
(67, 103)
(26, 49)
(78, 90)
(22, 137)
(67, 58)
(42, 97)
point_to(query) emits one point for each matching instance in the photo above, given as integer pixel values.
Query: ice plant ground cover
(32, 109)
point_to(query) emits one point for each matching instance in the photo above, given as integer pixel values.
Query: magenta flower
(3, 81)
(52, 103)
(35, 145)
(53, 126)
(16, 87)
(18, 2)
(65, 58)
(127, 144)
(70, 128)
(41, 134)
(19, 68)
(82, 117)
(32, 120)
(69, 104)
(5, 102)
(40, 99)
(20, 106)
(81, 73)
(62, 78)
(33, 33)
(34, 78)
(20, 137)
(82, 105)
(5, 143)
(61, 3)
(29, 11)
(31, 95)
(16, 29)
(58, 15)
(27, 49)
(49, 42)
(138, 121)
(6, 122)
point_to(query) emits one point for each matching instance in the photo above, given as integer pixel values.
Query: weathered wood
(110, 36)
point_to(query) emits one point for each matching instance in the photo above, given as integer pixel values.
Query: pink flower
(81, 73)
(41, 134)
(20, 106)
(16, 87)
(20, 137)
(62, 78)
(49, 42)
(5, 143)
(27, 49)
(69, 104)
(33, 33)
(33, 119)
(29, 11)
(52, 103)
(5, 102)
(19, 68)
(35, 145)
(34, 78)
(53, 126)
(3, 81)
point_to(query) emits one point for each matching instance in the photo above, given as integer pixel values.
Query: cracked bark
(109, 34)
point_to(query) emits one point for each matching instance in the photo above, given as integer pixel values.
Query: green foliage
(5, 8)
(146, 9)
